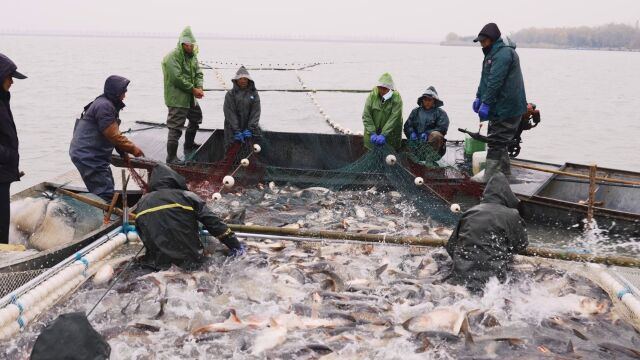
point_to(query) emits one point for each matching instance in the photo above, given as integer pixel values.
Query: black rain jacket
(9, 157)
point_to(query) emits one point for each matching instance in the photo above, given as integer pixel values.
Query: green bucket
(472, 145)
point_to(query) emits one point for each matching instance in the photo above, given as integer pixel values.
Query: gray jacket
(241, 108)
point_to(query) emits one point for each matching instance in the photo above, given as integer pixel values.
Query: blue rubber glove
(381, 139)
(374, 139)
(238, 136)
(483, 112)
(236, 252)
(247, 134)
(476, 105)
(413, 136)
(424, 136)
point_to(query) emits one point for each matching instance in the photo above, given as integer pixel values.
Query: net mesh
(13, 280)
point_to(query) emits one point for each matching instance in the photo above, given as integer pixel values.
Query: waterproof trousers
(97, 179)
(5, 212)
(176, 119)
(500, 134)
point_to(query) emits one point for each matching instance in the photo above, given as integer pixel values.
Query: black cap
(489, 31)
(8, 68)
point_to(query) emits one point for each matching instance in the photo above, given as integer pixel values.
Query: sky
(390, 19)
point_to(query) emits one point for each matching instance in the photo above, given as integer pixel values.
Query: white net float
(256, 148)
(131, 236)
(244, 162)
(216, 196)
(228, 181)
(455, 208)
(419, 181)
(391, 159)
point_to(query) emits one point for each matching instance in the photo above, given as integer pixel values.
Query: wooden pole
(353, 91)
(592, 193)
(95, 203)
(107, 217)
(580, 176)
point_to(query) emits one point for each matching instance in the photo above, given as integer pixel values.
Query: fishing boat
(551, 194)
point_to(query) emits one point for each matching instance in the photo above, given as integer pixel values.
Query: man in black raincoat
(97, 133)
(9, 156)
(241, 109)
(167, 221)
(487, 236)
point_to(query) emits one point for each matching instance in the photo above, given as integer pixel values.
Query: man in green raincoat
(183, 82)
(382, 115)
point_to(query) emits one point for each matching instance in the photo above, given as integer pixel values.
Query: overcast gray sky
(416, 20)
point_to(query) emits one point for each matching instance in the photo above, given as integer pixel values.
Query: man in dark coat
(167, 222)
(500, 98)
(9, 156)
(241, 109)
(487, 236)
(428, 122)
(97, 133)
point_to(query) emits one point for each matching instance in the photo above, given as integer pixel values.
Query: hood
(498, 191)
(243, 73)
(386, 81)
(115, 86)
(8, 68)
(489, 31)
(163, 177)
(186, 36)
(431, 92)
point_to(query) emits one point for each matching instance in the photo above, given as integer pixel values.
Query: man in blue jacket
(9, 156)
(500, 98)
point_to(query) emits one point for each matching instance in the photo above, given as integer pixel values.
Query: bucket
(472, 145)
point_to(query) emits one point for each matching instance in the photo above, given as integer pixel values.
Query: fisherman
(9, 156)
(487, 236)
(428, 123)
(382, 115)
(95, 135)
(167, 221)
(241, 109)
(500, 98)
(183, 81)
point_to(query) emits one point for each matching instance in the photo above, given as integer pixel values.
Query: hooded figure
(487, 236)
(241, 109)
(382, 115)
(96, 134)
(183, 81)
(9, 156)
(167, 221)
(500, 98)
(428, 122)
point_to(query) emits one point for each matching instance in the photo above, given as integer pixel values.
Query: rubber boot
(189, 144)
(505, 164)
(172, 150)
(491, 168)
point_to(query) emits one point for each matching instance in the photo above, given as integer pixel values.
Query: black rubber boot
(189, 144)
(172, 150)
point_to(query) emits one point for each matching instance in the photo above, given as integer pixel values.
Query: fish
(232, 323)
(269, 338)
(445, 319)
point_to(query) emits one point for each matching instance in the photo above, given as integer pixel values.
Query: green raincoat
(383, 118)
(181, 74)
(501, 85)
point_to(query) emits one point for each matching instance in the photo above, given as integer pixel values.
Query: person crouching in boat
(487, 236)
(9, 157)
(428, 123)
(241, 109)
(97, 133)
(167, 221)
(382, 115)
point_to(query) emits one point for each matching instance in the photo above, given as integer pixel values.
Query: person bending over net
(167, 221)
(241, 110)
(487, 236)
(428, 123)
(382, 115)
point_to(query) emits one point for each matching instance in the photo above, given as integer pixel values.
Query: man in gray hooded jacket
(241, 109)
(487, 236)
(428, 123)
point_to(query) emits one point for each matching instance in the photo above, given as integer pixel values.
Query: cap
(489, 31)
(18, 75)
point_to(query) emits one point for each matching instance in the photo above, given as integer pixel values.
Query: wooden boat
(548, 198)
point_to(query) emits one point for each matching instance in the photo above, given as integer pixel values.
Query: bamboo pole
(391, 239)
(580, 176)
(107, 217)
(355, 91)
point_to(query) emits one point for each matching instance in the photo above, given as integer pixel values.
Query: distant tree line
(611, 36)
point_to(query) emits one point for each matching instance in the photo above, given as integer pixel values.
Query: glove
(137, 152)
(247, 134)
(483, 112)
(476, 105)
(374, 139)
(424, 136)
(381, 140)
(237, 251)
(238, 136)
(413, 136)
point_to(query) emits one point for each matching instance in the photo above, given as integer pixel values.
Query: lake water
(588, 99)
